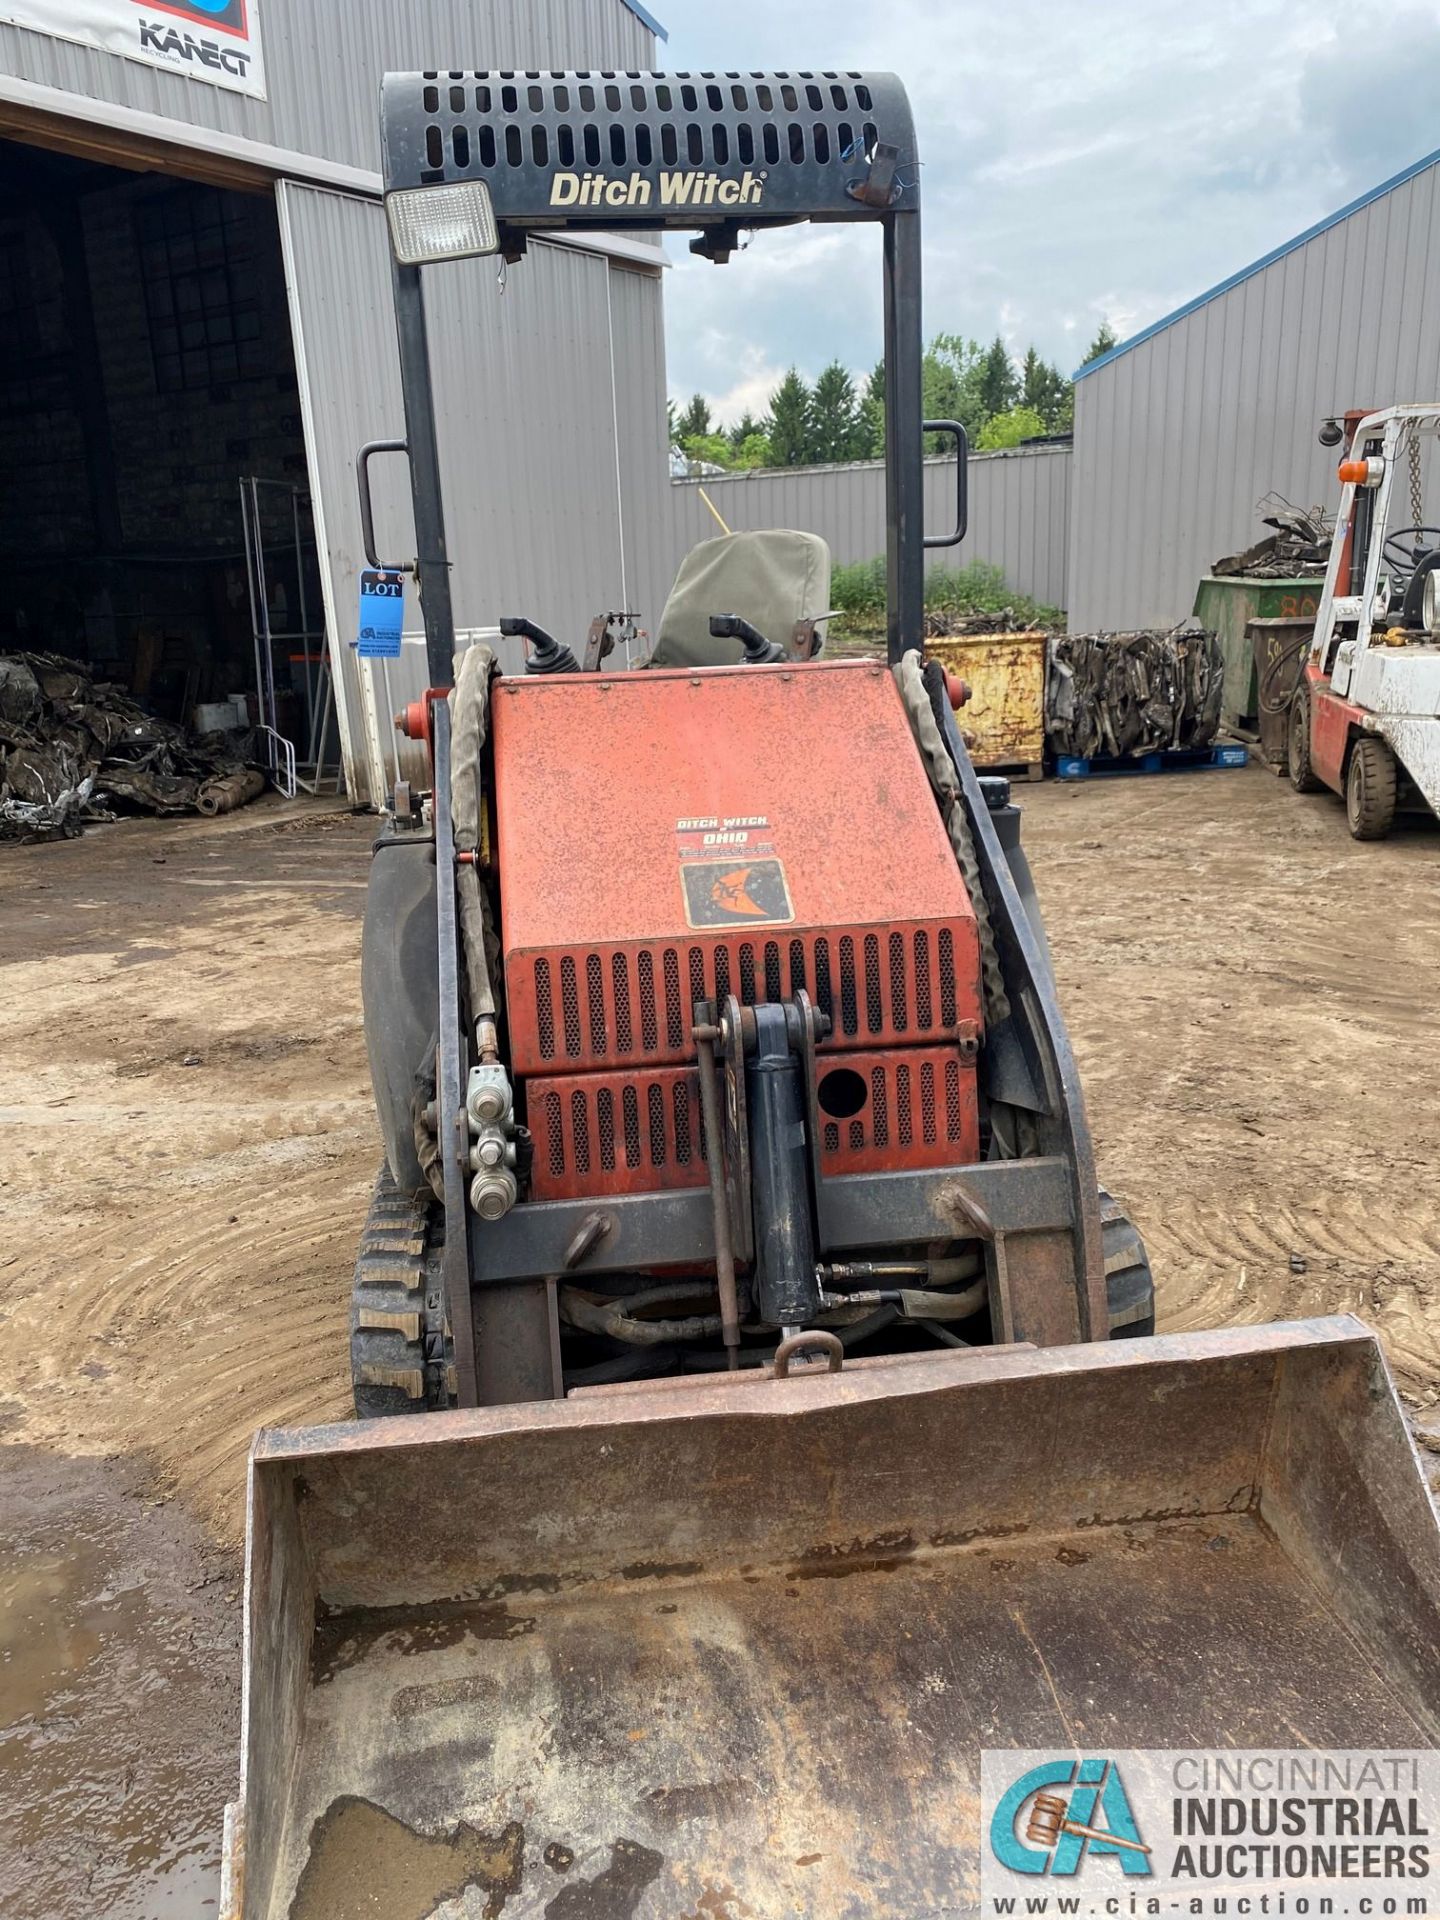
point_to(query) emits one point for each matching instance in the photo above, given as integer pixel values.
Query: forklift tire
(399, 1258)
(1297, 741)
(1129, 1285)
(1370, 788)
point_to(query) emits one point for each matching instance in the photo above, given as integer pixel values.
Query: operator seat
(775, 580)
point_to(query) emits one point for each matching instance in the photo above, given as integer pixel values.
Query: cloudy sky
(1096, 159)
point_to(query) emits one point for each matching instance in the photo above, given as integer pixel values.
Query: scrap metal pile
(1109, 695)
(1298, 547)
(73, 749)
(953, 626)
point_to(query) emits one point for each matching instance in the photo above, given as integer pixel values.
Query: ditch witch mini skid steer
(739, 1246)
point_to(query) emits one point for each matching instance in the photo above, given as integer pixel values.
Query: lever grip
(547, 654)
(759, 652)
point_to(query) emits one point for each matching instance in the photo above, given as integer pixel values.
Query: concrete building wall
(1180, 433)
(1019, 512)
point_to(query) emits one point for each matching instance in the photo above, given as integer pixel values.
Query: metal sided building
(195, 294)
(1182, 429)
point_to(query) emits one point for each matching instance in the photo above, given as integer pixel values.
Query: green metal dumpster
(1226, 604)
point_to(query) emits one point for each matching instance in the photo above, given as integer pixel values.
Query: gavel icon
(1047, 1822)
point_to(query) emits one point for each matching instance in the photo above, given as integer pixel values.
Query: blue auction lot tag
(382, 614)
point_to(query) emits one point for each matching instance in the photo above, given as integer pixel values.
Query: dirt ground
(188, 1145)
(1251, 997)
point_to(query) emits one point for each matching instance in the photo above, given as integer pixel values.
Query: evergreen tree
(836, 429)
(1045, 391)
(1104, 340)
(694, 422)
(999, 388)
(743, 428)
(872, 415)
(789, 424)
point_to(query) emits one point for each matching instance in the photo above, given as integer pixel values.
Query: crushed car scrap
(74, 750)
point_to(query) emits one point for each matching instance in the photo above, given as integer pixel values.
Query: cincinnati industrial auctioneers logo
(1061, 1829)
(1209, 1834)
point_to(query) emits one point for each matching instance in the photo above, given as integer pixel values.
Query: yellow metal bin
(1006, 710)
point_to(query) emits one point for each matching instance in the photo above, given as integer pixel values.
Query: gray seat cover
(772, 579)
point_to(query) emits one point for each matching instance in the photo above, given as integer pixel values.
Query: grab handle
(962, 482)
(367, 510)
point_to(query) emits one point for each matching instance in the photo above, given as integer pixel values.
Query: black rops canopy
(654, 150)
(721, 152)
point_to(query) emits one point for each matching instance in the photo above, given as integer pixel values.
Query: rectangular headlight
(453, 222)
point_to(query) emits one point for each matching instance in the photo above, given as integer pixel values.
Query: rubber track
(398, 1246)
(1129, 1287)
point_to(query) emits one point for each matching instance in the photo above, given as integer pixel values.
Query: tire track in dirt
(188, 1157)
(215, 1329)
(1250, 995)
(1349, 1229)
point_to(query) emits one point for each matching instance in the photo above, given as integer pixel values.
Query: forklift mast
(475, 163)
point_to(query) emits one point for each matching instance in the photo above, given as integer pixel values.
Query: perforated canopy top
(649, 150)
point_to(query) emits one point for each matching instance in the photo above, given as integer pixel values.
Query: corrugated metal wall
(528, 391)
(534, 387)
(1178, 438)
(1019, 512)
(324, 60)
(637, 331)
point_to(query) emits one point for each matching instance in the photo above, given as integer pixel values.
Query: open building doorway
(147, 372)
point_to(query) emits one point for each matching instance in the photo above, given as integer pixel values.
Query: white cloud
(750, 392)
(1110, 160)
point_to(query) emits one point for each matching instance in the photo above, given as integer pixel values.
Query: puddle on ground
(363, 1862)
(42, 1641)
(119, 1625)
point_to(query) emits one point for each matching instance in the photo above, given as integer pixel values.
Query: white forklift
(1365, 715)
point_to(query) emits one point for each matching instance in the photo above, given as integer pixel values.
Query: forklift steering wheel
(1405, 559)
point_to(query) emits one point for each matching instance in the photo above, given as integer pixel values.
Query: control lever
(759, 652)
(547, 654)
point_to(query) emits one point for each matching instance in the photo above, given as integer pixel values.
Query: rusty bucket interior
(735, 1645)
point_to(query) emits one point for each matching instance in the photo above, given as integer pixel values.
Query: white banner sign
(217, 41)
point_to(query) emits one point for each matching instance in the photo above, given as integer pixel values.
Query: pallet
(1167, 760)
(1014, 769)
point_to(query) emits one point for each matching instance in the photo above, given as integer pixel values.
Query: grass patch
(858, 592)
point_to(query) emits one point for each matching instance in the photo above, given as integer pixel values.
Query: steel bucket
(734, 1645)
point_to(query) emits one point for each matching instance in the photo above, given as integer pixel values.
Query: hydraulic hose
(1270, 700)
(619, 1319)
(470, 706)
